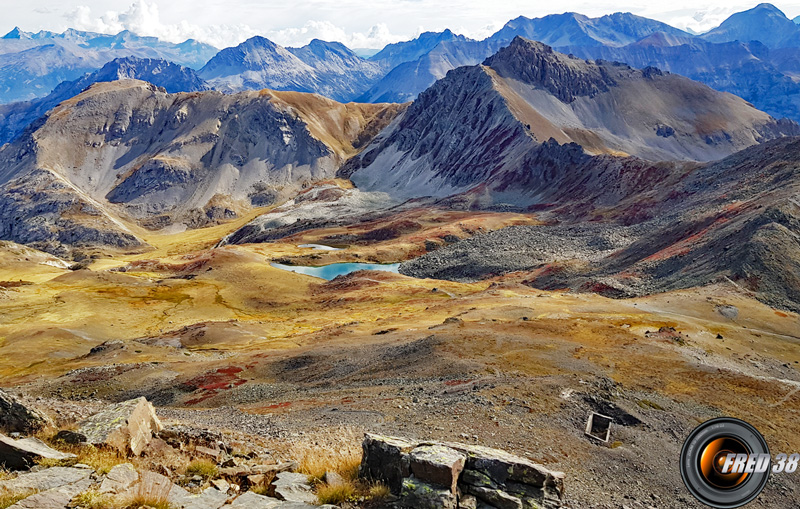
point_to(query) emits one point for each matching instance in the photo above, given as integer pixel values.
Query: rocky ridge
(129, 151)
(484, 127)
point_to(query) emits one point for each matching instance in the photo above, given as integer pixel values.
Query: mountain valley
(565, 236)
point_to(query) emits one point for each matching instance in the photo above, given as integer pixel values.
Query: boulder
(70, 437)
(494, 468)
(433, 474)
(210, 498)
(250, 500)
(55, 498)
(119, 479)
(23, 454)
(386, 459)
(334, 479)
(211, 452)
(17, 418)
(416, 494)
(438, 465)
(46, 479)
(221, 484)
(153, 483)
(292, 487)
(128, 426)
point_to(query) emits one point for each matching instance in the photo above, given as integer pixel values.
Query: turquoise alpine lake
(336, 269)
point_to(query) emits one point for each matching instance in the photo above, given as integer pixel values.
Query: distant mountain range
(741, 56)
(754, 54)
(33, 64)
(127, 152)
(529, 120)
(330, 69)
(15, 117)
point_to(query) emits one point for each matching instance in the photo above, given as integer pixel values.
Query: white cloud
(143, 18)
(356, 23)
(376, 37)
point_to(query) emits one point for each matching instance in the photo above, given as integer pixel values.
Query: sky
(356, 23)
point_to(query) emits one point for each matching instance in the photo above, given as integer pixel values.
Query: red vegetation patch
(781, 314)
(209, 384)
(452, 383)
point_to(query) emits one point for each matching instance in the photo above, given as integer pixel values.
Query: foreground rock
(56, 498)
(23, 454)
(45, 480)
(293, 487)
(119, 479)
(16, 417)
(128, 426)
(449, 475)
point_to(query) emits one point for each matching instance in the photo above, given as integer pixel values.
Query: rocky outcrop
(538, 65)
(16, 417)
(128, 426)
(128, 152)
(24, 453)
(451, 475)
(15, 117)
(508, 131)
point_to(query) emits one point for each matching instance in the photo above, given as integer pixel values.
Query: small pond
(336, 269)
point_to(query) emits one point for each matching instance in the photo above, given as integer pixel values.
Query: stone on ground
(70, 437)
(334, 479)
(161, 486)
(436, 474)
(46, 479)
(17, 418)
(128, 426)
(250, 500)
(293, 487)
(210, 498)
(119, 479)
(23, 454)
(56, 498)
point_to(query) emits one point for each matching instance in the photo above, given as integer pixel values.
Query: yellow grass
(204, 468)
(379, 492)
(8, 499)
(338, 450)
(102, 460)
(93, 499)
(151, 493)
(336, 494)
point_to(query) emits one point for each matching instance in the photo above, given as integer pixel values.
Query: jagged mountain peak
(320, 49)
(17, 33)
(536, 64)
(528, 112)
(407, 51)
(573, 29)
